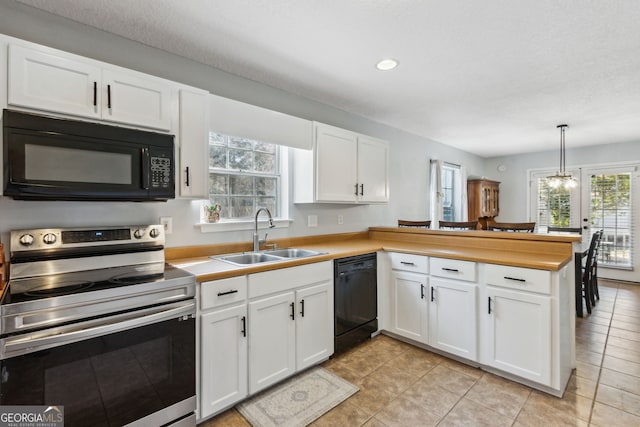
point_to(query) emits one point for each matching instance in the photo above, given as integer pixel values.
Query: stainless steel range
(94, 320)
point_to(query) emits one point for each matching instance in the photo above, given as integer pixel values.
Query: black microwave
(47, 158)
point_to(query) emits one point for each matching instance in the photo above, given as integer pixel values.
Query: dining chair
(458, 225)
(564, 229)
(415, 224)
(589, 273)
(595, 294)
(523, 227)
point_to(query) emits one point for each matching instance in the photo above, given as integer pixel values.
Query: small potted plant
(212, 212)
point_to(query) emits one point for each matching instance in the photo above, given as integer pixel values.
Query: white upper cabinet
(343, 167)
(193, 137)
(51, 80)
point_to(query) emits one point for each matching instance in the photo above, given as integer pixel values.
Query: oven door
(131, 367)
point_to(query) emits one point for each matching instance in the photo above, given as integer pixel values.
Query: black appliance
(48, 158)
(94, 320)
(356, 300)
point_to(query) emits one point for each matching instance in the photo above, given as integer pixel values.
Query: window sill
(216, 227)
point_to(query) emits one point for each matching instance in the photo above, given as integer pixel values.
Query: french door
(603, 200)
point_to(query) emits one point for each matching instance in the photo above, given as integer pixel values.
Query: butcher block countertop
(529, 250)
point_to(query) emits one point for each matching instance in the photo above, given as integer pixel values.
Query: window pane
(267, 202)
(241, 185)
(265, 147)
(266, 186)
(218, 184)
(554, 205)
(243, 143)
(217, 139)
(217, 157)
(265, 162)
(240, 160)
(241, 207)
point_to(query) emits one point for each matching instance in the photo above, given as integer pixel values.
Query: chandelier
(562, 178)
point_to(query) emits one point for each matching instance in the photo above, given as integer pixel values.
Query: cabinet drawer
(409, 262)
(286, 279)
(453, 269)
(525, 279)
(223, 291)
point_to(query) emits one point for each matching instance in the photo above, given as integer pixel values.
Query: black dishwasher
(355, 300)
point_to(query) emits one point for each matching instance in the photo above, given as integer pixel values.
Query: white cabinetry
(51, 80)
(343, 167)
(409, 285)
(223, 344)
(518, 336)
(290, 321)
(194, 143)
(452, 310)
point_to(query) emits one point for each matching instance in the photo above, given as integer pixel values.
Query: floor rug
(298, 401)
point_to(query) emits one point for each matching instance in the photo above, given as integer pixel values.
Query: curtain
(435, 193)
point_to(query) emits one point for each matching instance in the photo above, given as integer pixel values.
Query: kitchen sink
(249, 258)
(293, 253)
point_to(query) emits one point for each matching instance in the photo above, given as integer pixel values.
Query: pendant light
(562, 178)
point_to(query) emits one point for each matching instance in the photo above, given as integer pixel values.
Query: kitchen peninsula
(500, 301)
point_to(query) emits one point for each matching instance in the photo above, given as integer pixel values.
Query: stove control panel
(61, 238)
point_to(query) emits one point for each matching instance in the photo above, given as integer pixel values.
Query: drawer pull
(244, 326)
(407, 263)
(293, 311)
(515, 279)
(454, 270)
(421, 291)
(489, 305)
(433, 298)
(227, 293)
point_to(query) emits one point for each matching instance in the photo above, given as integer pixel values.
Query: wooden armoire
(483, 197)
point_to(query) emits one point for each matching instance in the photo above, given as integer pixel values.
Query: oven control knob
(139, 233)
(26, 240)
(154, 233)
(49, 238)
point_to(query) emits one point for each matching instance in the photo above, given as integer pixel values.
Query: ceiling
(490, 77)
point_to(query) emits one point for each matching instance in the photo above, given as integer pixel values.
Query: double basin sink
(249, 258)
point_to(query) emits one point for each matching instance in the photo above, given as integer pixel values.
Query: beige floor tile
(620, 380)
(230, 418)
(590, 327)
(624, 343)
(405, 412)
(582, 386)
(620, 399)
(546, 418)
(374, 422)
(344, 371)
(373, 395)
(394, 378)
(433, 397)
(621, 365)
(571, 406)
(608, 416)
(361, 363)
(623, 318)
(589, 357)
(345, 414)
(599, 319)
(503, 396)
(415, 363)
(621, 333)
(592, 336)
(586, 345)
(625, 311)
(462, 368)
(588, 371)
(453, 381)
(469, 413)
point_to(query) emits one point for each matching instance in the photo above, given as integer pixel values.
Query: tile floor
(401, 385)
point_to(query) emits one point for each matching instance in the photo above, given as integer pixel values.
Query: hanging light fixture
(562, 178)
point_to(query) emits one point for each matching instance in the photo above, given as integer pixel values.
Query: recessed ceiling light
(387, 64)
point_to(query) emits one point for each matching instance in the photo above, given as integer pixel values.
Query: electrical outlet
(340, 219)
(312, 221)
(167, 223)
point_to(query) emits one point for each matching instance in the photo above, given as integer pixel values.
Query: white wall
(409, 154)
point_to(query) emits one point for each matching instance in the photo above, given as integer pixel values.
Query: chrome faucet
(256, 239)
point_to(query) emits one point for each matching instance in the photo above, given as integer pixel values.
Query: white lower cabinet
(272, 340)
(408, 305)
(452, 317)
(290, 322)
(223, 355)
(518, 339)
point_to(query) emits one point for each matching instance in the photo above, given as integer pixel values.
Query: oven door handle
(55, 337)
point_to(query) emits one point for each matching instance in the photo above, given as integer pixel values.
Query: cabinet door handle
(109, 96)
(302, 308)
(95, 94)
(146, 166)
(356, 188)
(362, 189)
(244, 326)
(489, 305)
(186, 181)
(433, 297)
(227, 292)
(515, 279)
(407, 263)
(293, 311)
(421, 291)
(454, 270)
